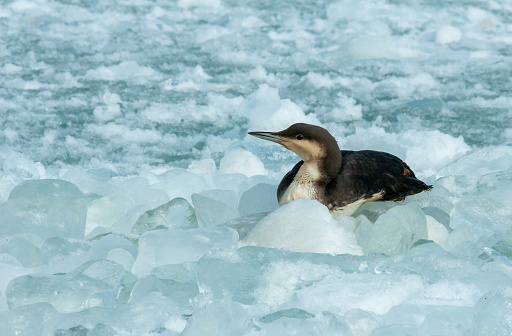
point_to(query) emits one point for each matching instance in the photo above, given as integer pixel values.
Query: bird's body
(341, 180)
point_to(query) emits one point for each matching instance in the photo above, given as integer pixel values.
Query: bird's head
(310, 142)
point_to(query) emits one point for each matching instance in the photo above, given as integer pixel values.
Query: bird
(342, 180)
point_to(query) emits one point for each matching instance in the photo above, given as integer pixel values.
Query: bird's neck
(324, 169)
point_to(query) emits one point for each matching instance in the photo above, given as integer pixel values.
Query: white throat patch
(304, 184)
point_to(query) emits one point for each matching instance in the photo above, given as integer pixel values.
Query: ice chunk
(45, 208)
(180, 294)
(186, 4)
(233, 182)
(448, 321)
(396, 230)
(220, 318)
(348, 110)
(175, 214)
(269, 276)
(119, 211)
(243, 225)
(260, 198)
(105, 212)
(448, 34)
(300, 322)
(305, 226)
(433, 262)
(480, 162)
(10, 268)
(101, 329)
(183, 183)
(240, 161)
(19, 168)
(110, 110)
(483, 217)
(129, 71)
(493, 311)
(361, 322)
(89, 183)
(367, 291)
(24, 251)
(395, 330)
(480, 17)
(267, 112)
(205, 166)
(122, 257)
(447, 293)
(102, 247)
(437, 232)
(211, 212)
(184, 272)
(157, 248)
(67, 254)
(363, 231)
(71, 292)
(27, 320)
(5, 188)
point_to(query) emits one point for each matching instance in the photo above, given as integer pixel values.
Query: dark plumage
(340, 179)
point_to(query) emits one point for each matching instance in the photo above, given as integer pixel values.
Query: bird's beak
(270, 136)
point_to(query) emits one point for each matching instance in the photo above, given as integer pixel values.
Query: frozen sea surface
(132, 201)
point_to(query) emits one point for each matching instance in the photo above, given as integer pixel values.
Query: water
(127, 176)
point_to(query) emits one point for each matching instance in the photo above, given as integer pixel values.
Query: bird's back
(362, 175)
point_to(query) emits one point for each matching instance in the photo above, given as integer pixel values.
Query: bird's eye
(299, 137)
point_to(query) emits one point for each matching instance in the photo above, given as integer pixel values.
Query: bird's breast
(299, 190)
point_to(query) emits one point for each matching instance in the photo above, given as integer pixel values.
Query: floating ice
(239, 161)
(306, 226)
(260, 198)
(448, 34)
(396, 230)
(267, 112)
(45, 208)
(175, 214)
(20, 168)
(124, 71)
(159, 248)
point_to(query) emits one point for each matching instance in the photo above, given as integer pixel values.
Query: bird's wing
(365, 173)
(287, 180)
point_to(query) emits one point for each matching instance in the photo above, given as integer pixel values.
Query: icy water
(132, 201)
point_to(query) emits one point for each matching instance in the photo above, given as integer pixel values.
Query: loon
(342, 180)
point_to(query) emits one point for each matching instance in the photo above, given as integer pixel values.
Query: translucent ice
(45, 208)
(89, 285)
(303, 225)
(218, 318)
(106, 212)
(396, 230)
(27, 320)
(493, 311)
(480, 162)
(175, 214)
(159, 248)
(20, 168)
(180, 294)
(24, 251)
(212, 212)
(260, 198)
